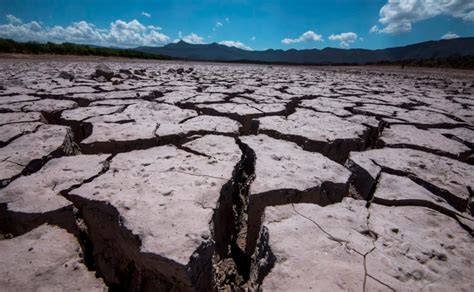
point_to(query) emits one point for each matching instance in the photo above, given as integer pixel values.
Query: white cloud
(120, 33)
(392, 28)
(252, 38)
(236, 44)
(192, 38)
(469, 16)
(307, 36)
(397, 16)
(13, 20)
(450, 35)
(146, 14)
(227, 19)
(217, 26)
(345, 39)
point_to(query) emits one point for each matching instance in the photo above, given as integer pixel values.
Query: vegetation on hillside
(11, 46)
(455, 62)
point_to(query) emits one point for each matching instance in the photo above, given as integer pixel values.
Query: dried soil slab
(40, 191)
(138, 122)
(464, 135)
(198, 124)
(43, 105)
(284, 165)
(12, 118)
(314, 247)
(84, 113)
(45, 259)
(176, 96)
(244, 109)
(110, 137)
(401, 191)
(16, 98)
(394, 114)
(105, 96)
(445, 177)
(164, 199)
(207, 98)
(409, 136)
(145, 111)
(11, 131)
(420, 249)
(285, 173)
(28, 152)
(319, 132)
(329, 105)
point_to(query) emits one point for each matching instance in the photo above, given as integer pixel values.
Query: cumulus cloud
(146, 14)
(449, 36)
(13, 20)
(397, 16)
(120, 33)
(236, 44)
(344, 39)
(307, 36)
(191, 38)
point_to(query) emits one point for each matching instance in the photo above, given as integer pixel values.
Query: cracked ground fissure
(234, 245)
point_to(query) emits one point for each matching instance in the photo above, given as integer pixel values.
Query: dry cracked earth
(191, 176)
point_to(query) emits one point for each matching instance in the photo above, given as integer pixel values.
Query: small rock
(66, 75)
(125, 71)
(103, 71)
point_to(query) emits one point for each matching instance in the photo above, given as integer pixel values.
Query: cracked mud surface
(158, 176)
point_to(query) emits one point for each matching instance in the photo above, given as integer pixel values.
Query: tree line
(11, 46)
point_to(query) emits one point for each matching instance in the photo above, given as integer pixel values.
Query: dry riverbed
(194, 176)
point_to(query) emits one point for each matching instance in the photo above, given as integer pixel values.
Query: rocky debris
(66, 75)
(173, 176)
(125, 71)
(45, 259)
(103, 72)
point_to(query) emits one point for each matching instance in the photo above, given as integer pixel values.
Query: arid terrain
(180, 176)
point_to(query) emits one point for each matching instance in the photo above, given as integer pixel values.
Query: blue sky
(254, 25)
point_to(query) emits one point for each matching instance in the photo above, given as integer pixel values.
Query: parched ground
(161, 176)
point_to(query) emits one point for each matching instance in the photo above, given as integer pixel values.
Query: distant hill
(441, 49)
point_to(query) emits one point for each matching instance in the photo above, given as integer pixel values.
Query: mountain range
(216, 52)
